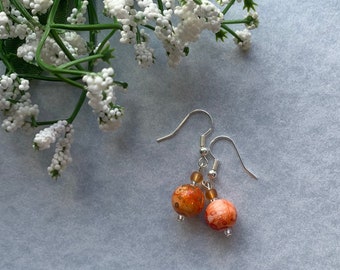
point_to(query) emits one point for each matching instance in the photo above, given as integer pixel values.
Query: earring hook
(223, 137)
(203, 136)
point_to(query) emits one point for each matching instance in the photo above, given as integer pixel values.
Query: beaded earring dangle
(220, 214)
(188, 199)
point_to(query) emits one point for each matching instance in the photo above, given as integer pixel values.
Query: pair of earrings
(188, 199)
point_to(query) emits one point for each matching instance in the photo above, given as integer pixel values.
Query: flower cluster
(192, 17)
(45, 40)
(51, 52)
(62, 132)
(101, 94)
(15, 102)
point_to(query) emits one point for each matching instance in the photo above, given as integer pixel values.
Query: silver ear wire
(203, 136)
(204, 151)
(212, 173)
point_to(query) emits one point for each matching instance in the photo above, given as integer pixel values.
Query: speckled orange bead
(188, 200)
(220, 214)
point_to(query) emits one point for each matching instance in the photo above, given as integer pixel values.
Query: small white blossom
(37, 6)
(223, 2)
(51, 52)
(245, 36)
(168, 4)
(144, 55)
(78, 15)
(125, 13)
(76, 42)
(5, 26)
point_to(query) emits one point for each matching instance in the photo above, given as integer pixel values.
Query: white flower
(254, 22)
(245, 36)
(49, 135)
(101, 94)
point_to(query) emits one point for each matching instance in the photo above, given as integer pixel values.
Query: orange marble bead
(220, 214)
(188, 200)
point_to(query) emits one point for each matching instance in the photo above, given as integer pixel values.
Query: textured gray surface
(111, 208)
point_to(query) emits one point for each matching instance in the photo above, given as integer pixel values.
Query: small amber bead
(188, 200)
(196, 177)
(211, 194)
(220, 214)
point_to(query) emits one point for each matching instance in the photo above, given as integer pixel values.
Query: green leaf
(11, 45)
(21, 66)
(107, 54)
(249, 4)
(64, 10)
(221, 35)
(9, 52)
(186, 51)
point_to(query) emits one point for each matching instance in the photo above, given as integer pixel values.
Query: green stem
(93, 19)
(80, 100)
(86, 27)
(50, 68)
(160, 6)
(70, 81)
(149, 27)
(3, 57)
(246, 21)
(57, 71)
(81, 60)
(92, 13)
(103, 42)
(225, 10)
(63, 47)
(44, 123)
(78, 107)
(138, 36)
(122, 84)
(15, 19)
(45, 78)
(231, 32)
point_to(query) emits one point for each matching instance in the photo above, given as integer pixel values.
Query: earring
(188, 199)
(220, 214)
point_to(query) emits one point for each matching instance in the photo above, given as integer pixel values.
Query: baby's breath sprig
(57, 41)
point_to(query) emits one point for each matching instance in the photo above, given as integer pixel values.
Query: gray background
(111, 208)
